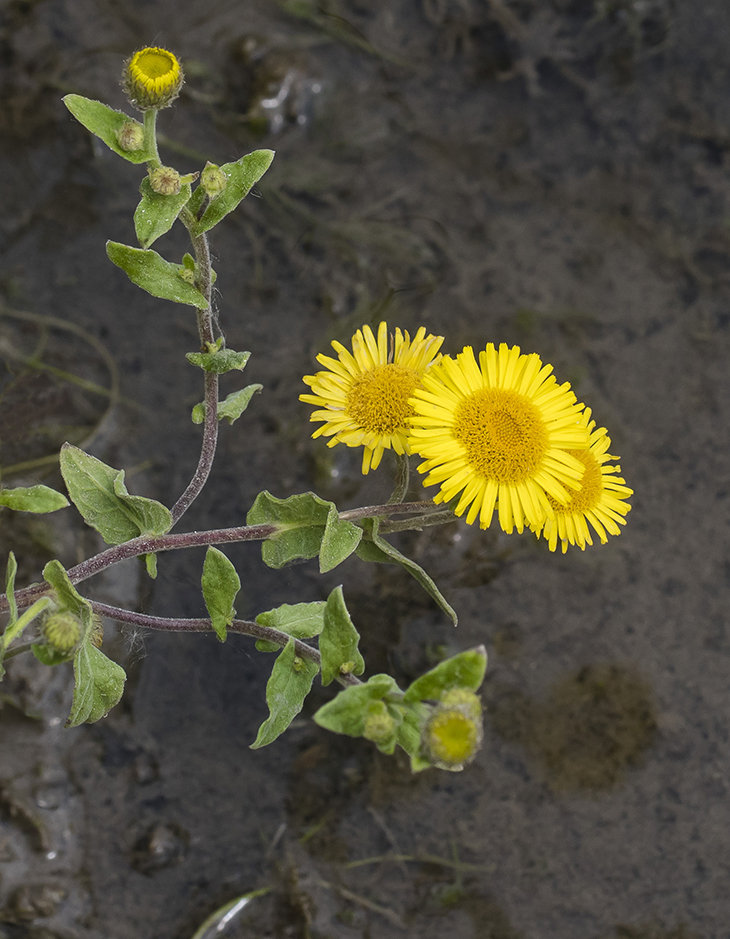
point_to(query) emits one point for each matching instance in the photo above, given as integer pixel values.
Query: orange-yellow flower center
(589, 496)
(378, 399)
(503, 433)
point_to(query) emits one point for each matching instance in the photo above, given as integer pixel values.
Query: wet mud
(549, 173)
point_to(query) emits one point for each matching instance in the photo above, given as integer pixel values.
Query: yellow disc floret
(452, 737)
(152, 78)
(364, 397)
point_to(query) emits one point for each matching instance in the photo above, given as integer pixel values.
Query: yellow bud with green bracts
(453, 734)
(213, 180)
(131, 136)
(62, 631)
(152, 78)
(165, 180)
(464, 699)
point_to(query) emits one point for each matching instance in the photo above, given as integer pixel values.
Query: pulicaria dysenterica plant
(495, 433)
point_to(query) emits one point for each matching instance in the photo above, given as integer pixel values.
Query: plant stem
(205, 331)
(150, 136)
(149, 544)
(417, 524)
(402, 477)
(244, 627)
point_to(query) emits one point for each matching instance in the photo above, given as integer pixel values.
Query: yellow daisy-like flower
(499, 432)
(600, 500)
(152, 78)
(364, 396)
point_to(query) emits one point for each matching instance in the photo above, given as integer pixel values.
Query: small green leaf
(233, 406)
(290, 683)
(150, 563)
(156, 214)
(301, 521)
(99, 684)
(340, 539)
(377, 549)
(339, 640)
(50, 656)
(219, 362)
(241, 176)
(10, 571)
(33, 499)
(148, 270)
(196, 201)
(99, 493)
(409, 735)
(67, 595)
(465, 670)
(220, 584)
(300, 620)
(347, 713)
(106, 124)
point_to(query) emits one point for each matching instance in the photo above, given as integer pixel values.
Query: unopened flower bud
(379, 725)
(213, 180)
(62, 631)
(152, 78)
(452, 736)
(165, 180)
(131, 136)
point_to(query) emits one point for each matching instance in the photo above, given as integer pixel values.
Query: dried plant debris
(592, 726)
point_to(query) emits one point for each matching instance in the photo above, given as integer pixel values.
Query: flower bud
(131, 136)
(152, 78)
(453, 734)
(379, 725)
(213, 180)
(62, 631)
(165, 180)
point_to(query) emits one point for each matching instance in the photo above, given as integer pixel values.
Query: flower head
(501, 432)
(600, 501)
(453, 733)
(364, 396)
(152, 78)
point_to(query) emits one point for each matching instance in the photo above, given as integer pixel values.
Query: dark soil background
(547, 172)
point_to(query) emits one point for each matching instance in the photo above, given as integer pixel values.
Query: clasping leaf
(220, 584)
(106, 123)
(290, 683)
(156, 213)
(241, 176)
(339, 640)
(99, 684)
(148, 270)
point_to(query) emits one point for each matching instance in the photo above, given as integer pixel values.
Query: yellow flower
(364, 396)
(452, 736)
(499, 432)
(152, 78)
(600, 501)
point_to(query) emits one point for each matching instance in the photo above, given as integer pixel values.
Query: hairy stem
(402, 477)
(150, 136)
(244, 627)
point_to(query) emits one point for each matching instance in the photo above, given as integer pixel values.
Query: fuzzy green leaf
(148, 270)
(241, 176)
(290, 683)
(99, 493)
(377, 549)
(465, 670)
(300, 620)
(106, 123)
(33, 499)
(156, 213)
(66, 594)
(339, 540)
(220, 361)
(301, 520)
(339, 640)
(233, 406)
(99, 684)
(220, 584)
(409, 735)
(47, 655)
(347, 713)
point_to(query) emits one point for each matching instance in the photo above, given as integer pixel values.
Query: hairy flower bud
(152, 78)
(213, 179)
(131, 136)
(62, 631)
(379, 725)
(165, 180)
(453, 734)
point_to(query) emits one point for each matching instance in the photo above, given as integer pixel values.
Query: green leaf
(340, 539)
(67, 595)
(409, 735)
(339, 640)
(300, 620)
(220, 584)
(290, 683)
(150, 563)
(50, 656)
(233, 406)
(148, 270)
(106, 124)
(99, 684)
(10, 571)
(196, 200)
(347, 713)
(465, 670)
(377, 549)
(99, 493)
(219, 362)
(241, 176)
(33, 499)
(156, 213)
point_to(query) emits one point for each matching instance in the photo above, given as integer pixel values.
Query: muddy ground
(548, 172)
